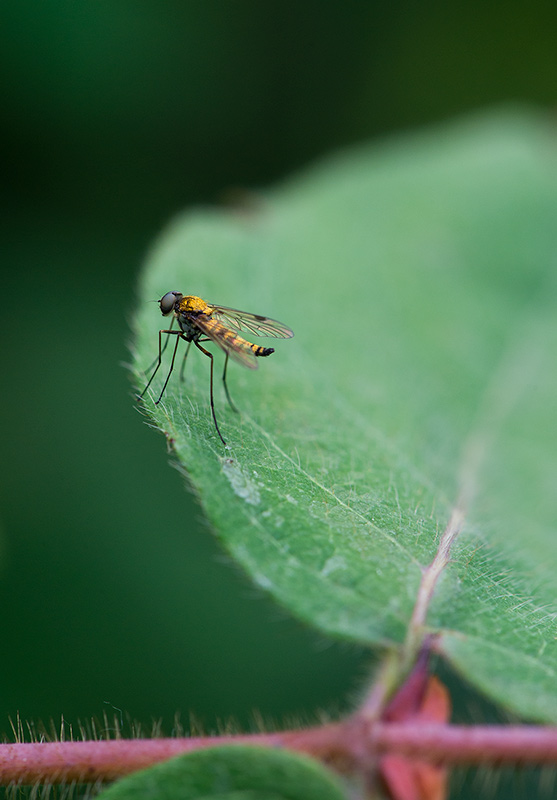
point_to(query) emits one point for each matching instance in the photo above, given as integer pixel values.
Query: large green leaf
(419, 277)
(230, 773)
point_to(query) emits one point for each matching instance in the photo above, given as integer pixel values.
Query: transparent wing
(237, 348)
(254, 323)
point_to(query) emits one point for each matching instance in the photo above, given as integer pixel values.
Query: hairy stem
(352, 744)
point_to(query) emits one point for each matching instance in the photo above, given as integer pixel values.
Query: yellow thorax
(192, 303)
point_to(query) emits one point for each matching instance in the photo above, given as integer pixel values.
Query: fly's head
(169, 301)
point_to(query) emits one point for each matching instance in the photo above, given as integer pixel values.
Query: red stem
(345, 745)
(469, 744)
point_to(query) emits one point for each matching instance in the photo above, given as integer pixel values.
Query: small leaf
(230, 773)
(419, 278)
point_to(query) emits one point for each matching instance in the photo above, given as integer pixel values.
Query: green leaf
(419, 277)
(231, 773)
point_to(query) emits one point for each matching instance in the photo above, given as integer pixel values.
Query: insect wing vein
(244, 321)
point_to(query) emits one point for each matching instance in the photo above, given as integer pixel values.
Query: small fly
(199, 321)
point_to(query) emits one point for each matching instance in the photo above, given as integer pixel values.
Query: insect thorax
(188, 327)
(192, 304)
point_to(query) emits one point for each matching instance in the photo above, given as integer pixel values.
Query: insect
(199, 321)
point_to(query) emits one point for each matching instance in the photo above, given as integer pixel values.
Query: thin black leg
(210, 355)
(171, 367)
(232, 406)
(184, 361)
(159, 360)
(164, 348)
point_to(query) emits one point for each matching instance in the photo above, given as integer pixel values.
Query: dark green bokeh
(117, 115)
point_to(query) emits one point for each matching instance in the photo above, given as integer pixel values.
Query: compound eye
(167, 302)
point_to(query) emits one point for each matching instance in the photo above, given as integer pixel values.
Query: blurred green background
(116, 115)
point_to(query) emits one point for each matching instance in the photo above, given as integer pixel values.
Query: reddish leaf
(422, 698)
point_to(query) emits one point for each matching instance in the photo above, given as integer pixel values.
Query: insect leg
(184, 361)
(163, 349)
(232, 406)
(210, 355)
(159, 359)
(179, 335)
